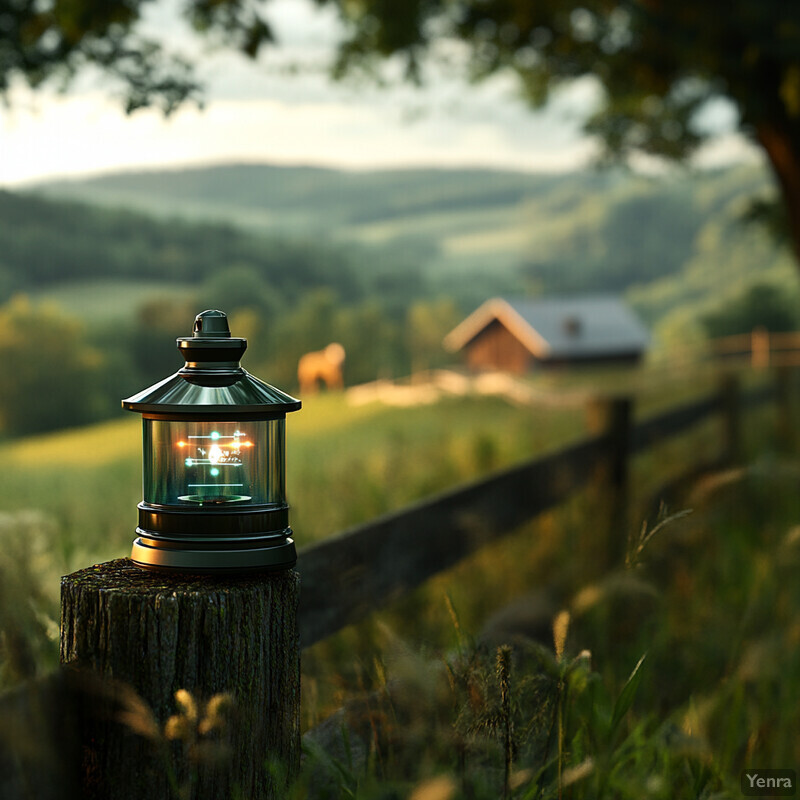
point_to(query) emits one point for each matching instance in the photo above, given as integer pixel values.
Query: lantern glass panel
(214, 464)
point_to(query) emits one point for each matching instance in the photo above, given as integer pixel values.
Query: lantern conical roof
(212, 382)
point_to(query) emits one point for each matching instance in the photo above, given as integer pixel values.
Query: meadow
(69, 498)
(518, 673)
(106, 300)
(529, 671)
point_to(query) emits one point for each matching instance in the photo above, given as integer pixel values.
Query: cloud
(88, 133)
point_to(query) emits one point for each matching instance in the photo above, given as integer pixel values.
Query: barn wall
(494, 348)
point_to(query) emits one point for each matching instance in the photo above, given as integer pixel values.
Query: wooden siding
(496, 348)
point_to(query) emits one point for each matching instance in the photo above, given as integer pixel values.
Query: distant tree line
(46, 242)
(291, 296)
(760, 306)
(285, 296)
(61, 372)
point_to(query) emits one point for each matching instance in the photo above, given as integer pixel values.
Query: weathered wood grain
(157, 633)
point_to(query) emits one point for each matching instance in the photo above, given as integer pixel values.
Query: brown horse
(321, 365)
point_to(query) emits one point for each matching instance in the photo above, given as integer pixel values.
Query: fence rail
(346, 577)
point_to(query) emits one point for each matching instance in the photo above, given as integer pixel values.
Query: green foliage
(426, 326)
(30, 570)
(52, 375)
(577, 713)
(55, 41)
(48, 242)
(585, 715)
(418, 250)
(659, 66)
(289, 297)
(238, 286)
(727, 258)
(667, 242)
(761, 306)
(644, 234)
(662, 70)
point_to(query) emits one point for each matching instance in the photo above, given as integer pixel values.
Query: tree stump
(150, 635)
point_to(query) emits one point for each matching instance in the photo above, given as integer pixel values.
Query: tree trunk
(782, 146)
(152, 634)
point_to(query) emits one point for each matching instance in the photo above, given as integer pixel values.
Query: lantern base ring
(223, 521)
(188, 559)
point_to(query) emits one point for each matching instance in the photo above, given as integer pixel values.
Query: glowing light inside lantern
(225, 450)
(215, 450)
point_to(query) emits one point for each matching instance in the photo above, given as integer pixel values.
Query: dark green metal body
(213, 462)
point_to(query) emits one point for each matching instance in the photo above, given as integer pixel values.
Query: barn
(517, 335)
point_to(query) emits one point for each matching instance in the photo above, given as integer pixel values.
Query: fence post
(612, 417)
(730, 406)
(159, 633)
(784, 396)
(759, 348)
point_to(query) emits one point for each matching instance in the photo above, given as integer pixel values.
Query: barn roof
(559, 327)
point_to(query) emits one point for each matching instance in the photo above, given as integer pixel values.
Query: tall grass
(519, 672)
(578, 710)
(72, 495)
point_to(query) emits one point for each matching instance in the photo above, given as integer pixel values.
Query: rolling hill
(670, 244)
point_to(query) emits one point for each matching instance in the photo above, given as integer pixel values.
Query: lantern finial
(211, 324)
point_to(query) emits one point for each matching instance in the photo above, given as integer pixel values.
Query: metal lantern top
(212, 382)
(213, 462)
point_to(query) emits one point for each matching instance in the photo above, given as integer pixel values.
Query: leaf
(625, 699)
(315, 751)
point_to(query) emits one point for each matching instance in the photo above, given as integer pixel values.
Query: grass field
(69, 498)
(345, 464)
(434, 700)
(663, 677)
(103, 301)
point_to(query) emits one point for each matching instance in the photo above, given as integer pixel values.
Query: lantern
(213, 462)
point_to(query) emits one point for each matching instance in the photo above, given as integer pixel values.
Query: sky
(255, 112)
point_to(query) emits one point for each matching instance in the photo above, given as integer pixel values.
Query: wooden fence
(758, 349)
(347, 576)
(162, 634)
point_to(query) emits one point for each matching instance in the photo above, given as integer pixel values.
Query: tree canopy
(659, 63)
(56, 39)
(759, 306)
